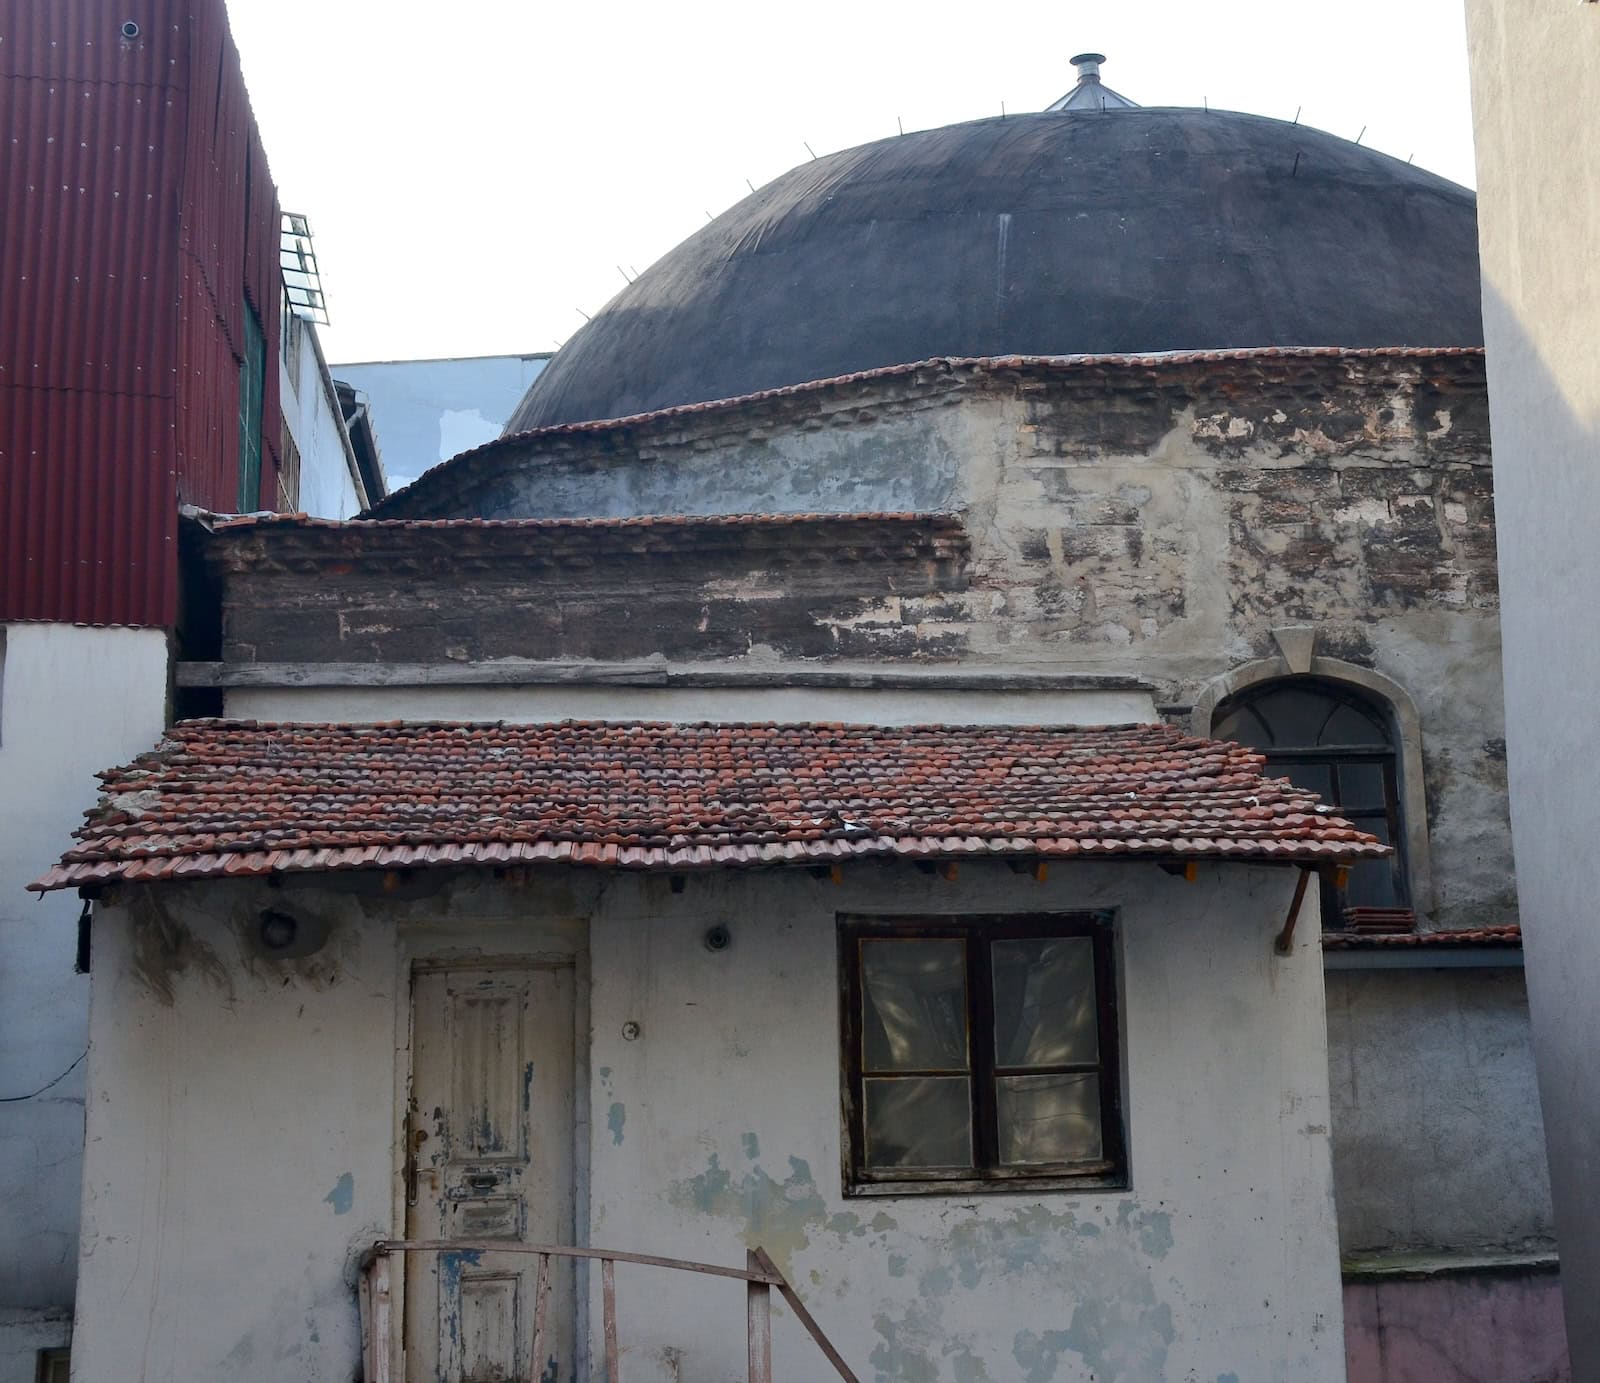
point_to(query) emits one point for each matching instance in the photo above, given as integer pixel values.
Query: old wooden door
(491, 1136)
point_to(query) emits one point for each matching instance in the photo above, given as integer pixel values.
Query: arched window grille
(1340, 744)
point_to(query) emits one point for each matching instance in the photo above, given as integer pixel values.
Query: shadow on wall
(1547, 500)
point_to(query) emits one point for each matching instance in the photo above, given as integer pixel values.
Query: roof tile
(238, 797)
(1510, 935)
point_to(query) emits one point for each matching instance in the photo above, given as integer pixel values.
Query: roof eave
(687, 859)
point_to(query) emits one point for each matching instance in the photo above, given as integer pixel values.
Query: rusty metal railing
(760, 1274)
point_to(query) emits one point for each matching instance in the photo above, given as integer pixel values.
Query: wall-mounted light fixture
(276, 931)
(281, 935)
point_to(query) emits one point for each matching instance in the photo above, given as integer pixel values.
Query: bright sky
(476, 171)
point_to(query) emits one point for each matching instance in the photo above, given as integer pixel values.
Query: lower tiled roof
(1452, 937)
(223, 797)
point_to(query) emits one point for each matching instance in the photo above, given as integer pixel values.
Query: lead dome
(1080, 229)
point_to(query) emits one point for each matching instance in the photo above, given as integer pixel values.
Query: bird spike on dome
(1091, 93)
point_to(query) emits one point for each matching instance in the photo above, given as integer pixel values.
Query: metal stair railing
(760, 1274)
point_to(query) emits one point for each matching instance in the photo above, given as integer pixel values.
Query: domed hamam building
(1084, 230)
(956, 742)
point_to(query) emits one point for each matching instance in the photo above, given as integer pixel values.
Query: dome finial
(1091, 93)
(1088, 65)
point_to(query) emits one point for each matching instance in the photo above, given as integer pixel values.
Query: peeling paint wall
(1217, 1260)
(72, 700)
(239, 1147)
(242, 1116)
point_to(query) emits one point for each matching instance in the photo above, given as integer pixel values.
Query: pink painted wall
(1478, 1329)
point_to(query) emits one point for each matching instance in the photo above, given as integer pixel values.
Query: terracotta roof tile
(1462, 936)
(238, 797)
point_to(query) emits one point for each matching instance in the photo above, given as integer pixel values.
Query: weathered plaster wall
(240, 1141)
(715, 591)
(723, 1132)
(72, 700)
(1129, 521)
(242, 1131)
(1438, 1144)
(1537, 208)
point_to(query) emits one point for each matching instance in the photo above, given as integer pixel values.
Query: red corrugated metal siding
(106, 560)
(231, 208)
(135, 210)
(81, 40)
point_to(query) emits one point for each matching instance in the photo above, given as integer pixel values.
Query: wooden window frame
(1385, 756)
(979, 931)
(1336, 900)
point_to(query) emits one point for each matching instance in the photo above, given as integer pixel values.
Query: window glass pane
(1296, 715)
(1313, 777)
(918, 1121)
(1376, 826)
(1372, 885)
(1044, 1002)
(1350, 725)
(1361, 785)
(1049, 1119)
(1244, 727)
(1372, 882)
(914, 997)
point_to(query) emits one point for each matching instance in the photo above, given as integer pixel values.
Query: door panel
(491, 1131)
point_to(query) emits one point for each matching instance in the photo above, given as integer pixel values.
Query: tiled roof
(236, 797)
(1463, 936)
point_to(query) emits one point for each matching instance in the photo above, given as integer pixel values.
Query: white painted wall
(535, 704)
(327, 485)
(215, 1244)
(1535, 87)
(72, 701)
(425, 411)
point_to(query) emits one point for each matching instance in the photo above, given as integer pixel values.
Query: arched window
(1340, 744)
